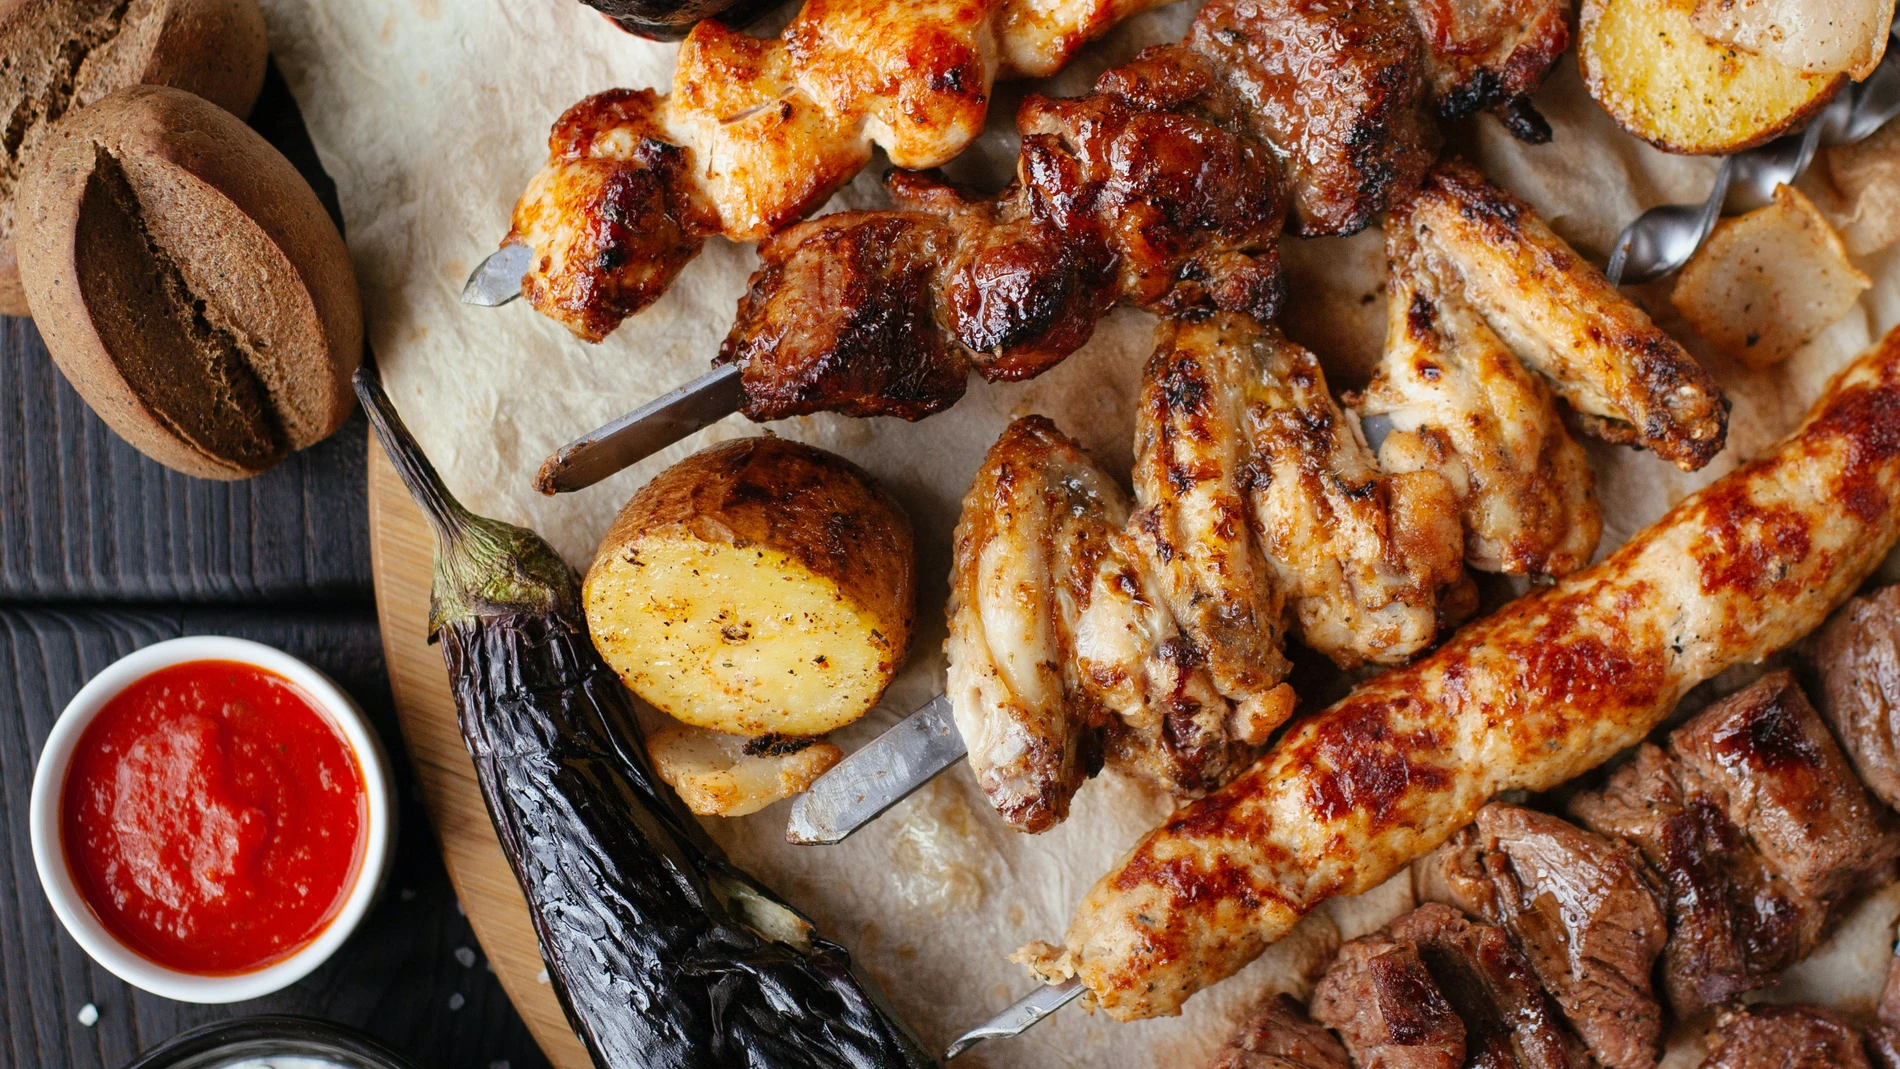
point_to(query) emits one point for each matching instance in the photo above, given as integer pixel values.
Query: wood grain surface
(403, 551)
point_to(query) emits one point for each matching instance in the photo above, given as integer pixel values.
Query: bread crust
(66, 54)
(188, 283)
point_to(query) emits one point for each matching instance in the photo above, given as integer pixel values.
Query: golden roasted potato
(761, 587)
(719, 775)
(1767, 282)
(1863, 179)
(1659, 77)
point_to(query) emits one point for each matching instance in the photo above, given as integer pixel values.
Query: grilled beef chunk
(1510, 1023)
(1581, 909)
(1388, 1009)
(1786, 1037)
(1279, 1035)
(1856, 658)
(1759, 830)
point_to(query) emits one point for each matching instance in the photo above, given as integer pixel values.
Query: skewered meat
(1460, 403)
(1368, 562)
(1062, 649)
(1786, 1037)
(1279, 1035)
(1381, 1000)
(1510, 1022)
(1630, 380)
(1556, 683)
(758, 133)
(1857, 659)
(1758, 828)
(1581, 909)
(1078, 631)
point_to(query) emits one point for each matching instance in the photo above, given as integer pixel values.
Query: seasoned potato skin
(815, 508)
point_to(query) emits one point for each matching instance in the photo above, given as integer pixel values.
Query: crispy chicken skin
(1369, 563)
(1461, 404)
(1554, 684)
(1564, 319)
(758, 133)
(1062, 650)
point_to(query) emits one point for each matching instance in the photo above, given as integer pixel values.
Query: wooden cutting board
(402, 551)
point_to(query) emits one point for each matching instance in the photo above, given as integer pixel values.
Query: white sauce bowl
(70, 905)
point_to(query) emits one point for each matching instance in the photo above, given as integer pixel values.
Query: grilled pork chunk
(1786, 1037)
(1383, 1002)
(1510, 1022)
(1554, 684)
(1461, 404)
(1759, 830)
(1581, 909)
(757, 134)
(1279, 1035)
(1856, 658)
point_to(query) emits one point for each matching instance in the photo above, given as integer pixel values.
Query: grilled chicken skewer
(759, 133)
(1552, 685)
(848, 315)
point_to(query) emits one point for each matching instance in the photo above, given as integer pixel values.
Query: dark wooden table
(101, 552)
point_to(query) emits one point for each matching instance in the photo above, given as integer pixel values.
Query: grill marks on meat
(1786, 1037)
(1856, 659)
(759, 133)
(1556, 683)
(1435, 989)
(1279, 1035)
(1384, 1003)
(1369, 563)
(1759, 830)
(1063, 651)
(1461, 404)
(1581, 909)
(1603, 355)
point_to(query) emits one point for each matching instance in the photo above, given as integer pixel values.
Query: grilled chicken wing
(1368, 562)
(1564, 319)
(1061, 647)
(1459, 403)
(758, 133)
(1554, 684)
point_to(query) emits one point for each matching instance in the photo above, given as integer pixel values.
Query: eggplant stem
(450, 520)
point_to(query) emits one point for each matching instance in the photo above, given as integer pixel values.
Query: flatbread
(432, 115)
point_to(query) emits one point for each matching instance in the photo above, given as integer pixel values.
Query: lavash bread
(188, 283)
(59, 55)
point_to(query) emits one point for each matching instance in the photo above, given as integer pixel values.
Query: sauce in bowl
(213, 818)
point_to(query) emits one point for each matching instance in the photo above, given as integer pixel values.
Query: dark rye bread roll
(59, 55)
(188, 283)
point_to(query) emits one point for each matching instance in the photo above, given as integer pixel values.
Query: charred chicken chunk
(1563, 318)
(1279, 1035)
(1758, 829)
(1786, 1037)
(1492, 54)
(1388, 1009)
(1460, 403)
(1856, 659)
(1581, 909)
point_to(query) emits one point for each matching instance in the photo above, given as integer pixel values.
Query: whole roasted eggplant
(664, 955)
(670, 20)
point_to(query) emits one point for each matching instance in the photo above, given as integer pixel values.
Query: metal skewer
(497, 280)
(1026, 1013)
(861, 787)
(1663, 238)
(642, 432)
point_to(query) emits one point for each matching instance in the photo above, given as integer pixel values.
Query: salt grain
(465, 957)
(456, 1001)
(541, 977)
(89, 1015)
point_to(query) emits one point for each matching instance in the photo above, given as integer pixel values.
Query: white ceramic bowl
(70, 905)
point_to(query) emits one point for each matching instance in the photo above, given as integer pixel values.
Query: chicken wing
(1552, 685)
(1459, 403)
(1564, 319)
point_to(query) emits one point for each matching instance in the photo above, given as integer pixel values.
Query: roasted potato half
(1658, 76)
(761, 587)
(720, 775)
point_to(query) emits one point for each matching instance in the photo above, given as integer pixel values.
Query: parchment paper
(432, 114)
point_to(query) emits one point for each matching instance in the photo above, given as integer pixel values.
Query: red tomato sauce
(213, 818)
